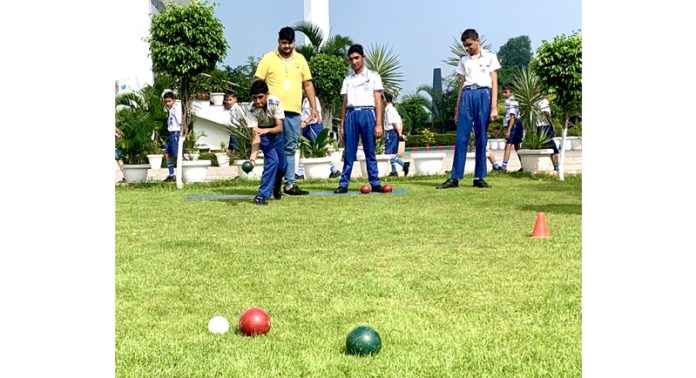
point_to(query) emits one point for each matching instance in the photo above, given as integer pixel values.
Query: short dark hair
(287, 33)
(230, 93)
(356, 48)
(388, 96)
(508, 86)
(169, 95)
(258, 86)
(469, 34)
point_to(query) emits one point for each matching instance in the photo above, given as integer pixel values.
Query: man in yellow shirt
(286, 72)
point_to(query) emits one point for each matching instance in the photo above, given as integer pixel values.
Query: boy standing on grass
(513, 124)
(393, 133)
(236, 113)
(476, 105)
(174, 128)
(268, 134)
(361, 116)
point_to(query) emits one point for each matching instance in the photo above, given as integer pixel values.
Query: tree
(415, 106)
(186, 41)
(336, 45)
(382, 60)
(242, 76)
(559, 65)
(328, 72)
(516, 52)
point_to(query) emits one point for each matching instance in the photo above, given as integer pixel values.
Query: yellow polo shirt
(285, 77)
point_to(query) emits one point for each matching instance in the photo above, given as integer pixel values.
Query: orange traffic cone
(540, 230)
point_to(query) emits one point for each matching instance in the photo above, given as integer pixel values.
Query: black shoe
(520, 170)
(277, 194)
(393, 174)
(260, 201)
(335, 174)
(341, 190)
(407, 165)
(481, 184)
(377, 188)
(296, 191)
(299, 177)
(170, 178)
(497, 168)
(450, 183)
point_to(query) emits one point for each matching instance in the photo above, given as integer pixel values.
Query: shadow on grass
(555, 208)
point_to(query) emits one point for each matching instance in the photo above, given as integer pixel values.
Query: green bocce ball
(247, 166)
(363, 340)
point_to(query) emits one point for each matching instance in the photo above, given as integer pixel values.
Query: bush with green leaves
(529, 90)
(317, 148)
(139, 123)
(328, 72)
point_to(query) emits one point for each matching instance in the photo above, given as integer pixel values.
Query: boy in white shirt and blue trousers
(393, 133)
(361, 116)
(174, 128)
(477, 103)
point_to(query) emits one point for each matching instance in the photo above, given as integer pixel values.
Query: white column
(317, 12)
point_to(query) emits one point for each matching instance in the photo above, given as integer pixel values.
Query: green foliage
(413, 106)
(138, 123)
(535, 139)
(318, 148)
(428, 137)
(516, 52)
(328, 72)
(244, 136)
(559, 66)
(336, 45)
(437, 140)
(216, 81)
(242, 76)
(406, 122)
(382, 60)
(380, 146)
(186, 41)
(209, 156)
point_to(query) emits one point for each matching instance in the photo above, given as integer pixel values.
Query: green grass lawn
(449, 278)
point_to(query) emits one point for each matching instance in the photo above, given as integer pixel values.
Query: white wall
(131, 52)
(317, 12)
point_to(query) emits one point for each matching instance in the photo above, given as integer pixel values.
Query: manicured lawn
(449, 278)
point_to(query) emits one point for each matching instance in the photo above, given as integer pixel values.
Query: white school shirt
(391, 115)
(543, 105)
(512, 107)
(477, 70)
(174, 118)
(360, 88)
(274, 110)
(307, 110)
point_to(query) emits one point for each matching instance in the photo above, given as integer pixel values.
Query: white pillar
(317, 12)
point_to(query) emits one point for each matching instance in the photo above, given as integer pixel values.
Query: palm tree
(529, 90)
(381, 59)
(334, 45)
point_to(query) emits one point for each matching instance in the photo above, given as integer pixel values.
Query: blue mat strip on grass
(250, 196)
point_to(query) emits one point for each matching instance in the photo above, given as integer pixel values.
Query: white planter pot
(155, 161)
(317, 167)
(255, 174)
(217, 98)
(470, 164)
(195, 171)
(222, 159)
(336, 157)
(534, 161)
(576, 143)
(501, 144)
(135, 172)
(428, 163)
(492, 144)
(383, 166)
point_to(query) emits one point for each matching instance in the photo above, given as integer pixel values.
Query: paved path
(573, 165)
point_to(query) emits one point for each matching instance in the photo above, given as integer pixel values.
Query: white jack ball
(218, 324)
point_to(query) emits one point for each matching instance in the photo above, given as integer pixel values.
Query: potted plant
(316, 155)
(223, 160)
(243, 133)
(534, 156)
(192, 169)
(138, 124)
(428, 163)
(383, 166)
(216, 84)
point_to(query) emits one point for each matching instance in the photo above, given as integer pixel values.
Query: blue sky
(419, 34)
